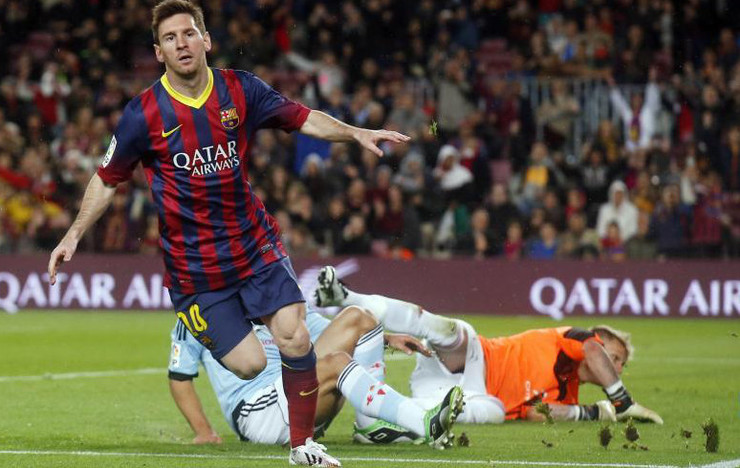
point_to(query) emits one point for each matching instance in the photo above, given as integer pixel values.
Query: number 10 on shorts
(195, 323)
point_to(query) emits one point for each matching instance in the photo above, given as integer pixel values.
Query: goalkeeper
(505, 378)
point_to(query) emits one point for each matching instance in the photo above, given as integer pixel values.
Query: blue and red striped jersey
(213, 230)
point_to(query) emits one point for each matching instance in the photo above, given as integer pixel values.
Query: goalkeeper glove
(640, 413)
(619, 396)
(600, 411)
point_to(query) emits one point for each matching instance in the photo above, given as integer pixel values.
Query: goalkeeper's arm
(602, 372)
(600, 411)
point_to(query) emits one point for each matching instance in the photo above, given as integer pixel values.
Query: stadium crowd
(489, 172)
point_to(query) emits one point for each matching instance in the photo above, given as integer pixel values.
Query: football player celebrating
(225, 263)
(505, 378)
(256, 409)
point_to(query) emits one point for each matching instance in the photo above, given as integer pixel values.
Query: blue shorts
(221, 319)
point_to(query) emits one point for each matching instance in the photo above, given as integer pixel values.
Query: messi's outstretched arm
(97, 197)
(183, 392)
(321, 125)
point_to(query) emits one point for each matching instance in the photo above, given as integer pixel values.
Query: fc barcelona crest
(229, 118)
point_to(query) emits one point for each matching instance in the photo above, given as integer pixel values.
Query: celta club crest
(229, 118)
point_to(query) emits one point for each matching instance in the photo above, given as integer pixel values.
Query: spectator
(150, 241)
(612, 247)
(514, 243)
(407, 117)
(537, 177)
(556, 115)
(480, 241)
(327, 73)
(395, 221)
(618, 209)
(643, 194)
(730, 160)
(312, 176)
(336, 219)
(706, 225)
(575, 202)
(545, 246)
(412, 176)
(116, 228)
(277, 188)
(355, 239)
(607, 142)
(577, 239)
(669, 225)
(474, 157)
(455, 180)
(302, 243)
(501, 212)
(639, 117)
(553, 211)
(453, 89)
(357, 198)
(302, 213)
(640, 246)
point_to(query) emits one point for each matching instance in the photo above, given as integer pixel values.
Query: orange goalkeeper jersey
(537, 365)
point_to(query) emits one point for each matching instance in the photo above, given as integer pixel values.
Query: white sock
(378, 400)
(404, 317)
(369, 354)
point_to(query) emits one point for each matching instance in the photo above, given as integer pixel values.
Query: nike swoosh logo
(166, 134)
(302, 393)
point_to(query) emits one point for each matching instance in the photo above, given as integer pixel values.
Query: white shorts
(431, 380)
(264, 418)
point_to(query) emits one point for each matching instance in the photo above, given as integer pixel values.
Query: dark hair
(169, 8)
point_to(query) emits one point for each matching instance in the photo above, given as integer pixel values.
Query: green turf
(687, 370)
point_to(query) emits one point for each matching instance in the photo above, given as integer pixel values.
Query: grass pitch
(90, 389)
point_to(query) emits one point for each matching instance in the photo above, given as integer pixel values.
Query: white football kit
(430, 380)
(256, 409)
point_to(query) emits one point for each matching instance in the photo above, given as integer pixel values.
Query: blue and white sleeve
(185, 354)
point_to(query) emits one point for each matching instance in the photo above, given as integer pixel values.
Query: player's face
(182, 47)
(617, 353)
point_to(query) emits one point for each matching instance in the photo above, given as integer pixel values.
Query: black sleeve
(180, 377)
(579, 334)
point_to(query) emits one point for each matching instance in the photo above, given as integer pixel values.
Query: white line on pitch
(424, 461)
(723, 464)
(78, 375)
(123, 372)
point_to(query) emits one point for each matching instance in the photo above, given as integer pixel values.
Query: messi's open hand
(62, 253)
(407, 344)
(639, 412)
(371, 138)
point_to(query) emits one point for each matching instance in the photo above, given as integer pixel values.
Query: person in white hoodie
(620, 209)
(456, 182)
(449, 172)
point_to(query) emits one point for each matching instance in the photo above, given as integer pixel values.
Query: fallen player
(505, 378)
(256, 409)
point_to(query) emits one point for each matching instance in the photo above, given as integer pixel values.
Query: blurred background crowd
(597, 129)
